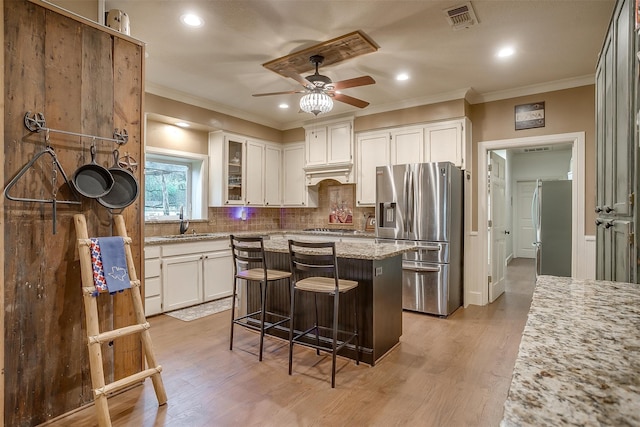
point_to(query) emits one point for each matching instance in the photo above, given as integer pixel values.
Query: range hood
(343, 173)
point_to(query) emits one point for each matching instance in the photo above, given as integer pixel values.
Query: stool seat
(258, 274)
(325, 285)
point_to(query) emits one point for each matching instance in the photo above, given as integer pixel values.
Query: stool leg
(315, 302)
(293, 301)
(233, 311)
(355, 324)
(263, 301)
(336, 300)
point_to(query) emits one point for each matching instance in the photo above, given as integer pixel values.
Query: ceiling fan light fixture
(316, 102)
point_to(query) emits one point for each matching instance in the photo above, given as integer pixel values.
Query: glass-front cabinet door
(235, 176)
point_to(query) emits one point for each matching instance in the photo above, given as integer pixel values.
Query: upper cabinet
(273, 175)
(295, 191)
(243, 171)
(329, 152)
(373, 151)
(446, 141)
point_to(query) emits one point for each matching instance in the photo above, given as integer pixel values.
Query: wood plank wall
(84, 79)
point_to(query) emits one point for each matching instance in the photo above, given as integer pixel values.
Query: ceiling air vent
(462, 16)
(536, 149)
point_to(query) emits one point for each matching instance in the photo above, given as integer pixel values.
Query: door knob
(507, 232)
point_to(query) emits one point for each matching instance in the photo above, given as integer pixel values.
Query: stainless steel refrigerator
(551, 215)
(422, 205)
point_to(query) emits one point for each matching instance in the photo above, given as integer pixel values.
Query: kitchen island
(377, 268)
(579, 358)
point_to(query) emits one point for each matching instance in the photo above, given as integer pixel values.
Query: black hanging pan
(92, 180)
(125, 187)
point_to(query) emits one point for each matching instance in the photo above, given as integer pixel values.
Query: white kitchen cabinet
(217, 276)
(329, 150)
(181, 281)
(373, 150)
(295, 191)
(226, 169)
(195, 272)
(447, 142)
(272, 176)
(243, 171)
(152, 281)
(255, 173)
(407, 145)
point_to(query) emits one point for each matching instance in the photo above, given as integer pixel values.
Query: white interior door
(524, 229)
(497, 228)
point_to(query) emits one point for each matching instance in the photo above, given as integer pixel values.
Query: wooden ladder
(96, 338)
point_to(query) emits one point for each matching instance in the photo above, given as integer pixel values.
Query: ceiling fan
(319, 85)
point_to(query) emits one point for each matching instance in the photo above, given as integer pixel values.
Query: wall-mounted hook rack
(37, 123)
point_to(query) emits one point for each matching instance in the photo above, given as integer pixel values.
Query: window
(174, 181)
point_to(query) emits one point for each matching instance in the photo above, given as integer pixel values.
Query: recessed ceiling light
(505, 52)
(402, 76)
(192, 20)
(182, 124)
(283, 106)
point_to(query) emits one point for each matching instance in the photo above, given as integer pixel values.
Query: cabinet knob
(598, 222)
(598, 209)
(608, 209)
(608, 224)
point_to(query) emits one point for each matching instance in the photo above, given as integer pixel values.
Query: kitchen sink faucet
(184, 225)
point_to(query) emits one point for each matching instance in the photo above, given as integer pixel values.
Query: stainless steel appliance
(422, 205)
(551, 215)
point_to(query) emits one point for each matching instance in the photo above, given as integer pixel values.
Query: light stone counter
(194, 237)
(355, 250)
(579, 358)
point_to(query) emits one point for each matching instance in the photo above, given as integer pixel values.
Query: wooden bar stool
(315, 271)
(249, 264)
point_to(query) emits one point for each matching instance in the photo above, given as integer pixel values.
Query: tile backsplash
(229, 218)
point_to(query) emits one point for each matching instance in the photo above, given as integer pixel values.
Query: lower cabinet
(181, 281)
(187, 274)
(218, 274)
(152, 281)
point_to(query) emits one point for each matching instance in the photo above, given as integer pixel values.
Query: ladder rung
(91, 290)
(117, 333)
(87, 242)
(127, 381)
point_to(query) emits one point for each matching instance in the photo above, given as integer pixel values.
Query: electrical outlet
(378, 271)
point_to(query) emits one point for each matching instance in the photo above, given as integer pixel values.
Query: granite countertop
(355, 250)
(190, 237)
(579, 358)
(368, 249)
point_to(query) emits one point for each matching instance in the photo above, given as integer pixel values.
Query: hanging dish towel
(109, 264)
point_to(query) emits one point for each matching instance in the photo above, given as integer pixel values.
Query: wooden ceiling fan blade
(350, 100)
(358, 81)
(297, 77)
(287, 92)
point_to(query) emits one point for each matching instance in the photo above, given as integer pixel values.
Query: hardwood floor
(444, 372)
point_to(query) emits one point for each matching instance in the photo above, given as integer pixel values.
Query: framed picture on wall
(529, 116)
(340, 204)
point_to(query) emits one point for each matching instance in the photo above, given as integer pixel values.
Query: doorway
(576, 142)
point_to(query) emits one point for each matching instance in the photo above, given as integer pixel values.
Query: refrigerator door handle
(411, 203)
(422, 269)
(405, 218)
(429, 248)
